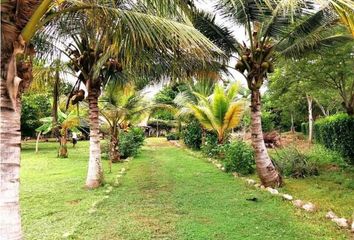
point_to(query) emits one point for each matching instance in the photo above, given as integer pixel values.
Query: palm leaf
(219, 104)
(233, 115)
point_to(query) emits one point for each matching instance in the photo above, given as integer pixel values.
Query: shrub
(336, 132)
(192, 135)
(267, 122)
(130, 142)
(293, 163)
(172, 136)
(305, 128)
(211, 148)
(239, 157)
(324, 156)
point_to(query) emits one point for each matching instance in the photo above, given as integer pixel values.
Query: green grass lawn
(167, 193)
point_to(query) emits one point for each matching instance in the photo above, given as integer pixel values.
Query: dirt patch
(74, 202)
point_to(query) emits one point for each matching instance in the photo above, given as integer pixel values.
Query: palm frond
(233, 115)
(221, 36)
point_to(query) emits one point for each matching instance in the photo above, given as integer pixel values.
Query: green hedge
(336, 132)
(192, 135)
(239, 157)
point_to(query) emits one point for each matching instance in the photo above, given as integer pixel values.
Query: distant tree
(34, 107)
(332, 70)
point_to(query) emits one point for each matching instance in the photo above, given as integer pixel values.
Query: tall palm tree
(272, 34)
(20, 20)
(219, 112)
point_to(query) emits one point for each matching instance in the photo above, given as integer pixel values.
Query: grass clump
(293, 163)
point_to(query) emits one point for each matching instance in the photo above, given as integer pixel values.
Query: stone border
(306, 206)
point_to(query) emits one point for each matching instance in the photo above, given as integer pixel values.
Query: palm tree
(94, 53)
(47, 76)
(219, 112)
(20, 22)
(64, 122)
(273, 34)
(120, 106)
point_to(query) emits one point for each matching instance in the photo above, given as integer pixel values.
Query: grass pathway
(166, 194)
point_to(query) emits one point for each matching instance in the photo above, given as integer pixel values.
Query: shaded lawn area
(167, 193)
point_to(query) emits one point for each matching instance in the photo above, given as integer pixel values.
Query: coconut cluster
(84, 61)
(256, 61)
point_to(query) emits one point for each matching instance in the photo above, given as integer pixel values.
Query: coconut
(271, 68)
(240, 66)
(244, 58)
(265, 65)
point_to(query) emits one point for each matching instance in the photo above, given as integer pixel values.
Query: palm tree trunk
(95, 171)
(55, 105)
(265, 168)
(114, 142)
(10, 142)
(63, 149)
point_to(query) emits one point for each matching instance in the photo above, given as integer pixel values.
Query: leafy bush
(293, 163)
(305, 128)
(192, 135)
(130, 142)
(34, 107)
(172, 136)
(210, 147)
(267, 122)
(336, 132)
(239, 157)
(324, 156)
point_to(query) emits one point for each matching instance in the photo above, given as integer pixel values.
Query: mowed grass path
(167, 193)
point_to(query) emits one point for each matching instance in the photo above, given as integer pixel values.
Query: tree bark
(37, 142)
(292, 128)
(266, 170)
(114, 145)
(55, 131)
(309, 105)
(63, 149)
(10, 148)
(95, 171)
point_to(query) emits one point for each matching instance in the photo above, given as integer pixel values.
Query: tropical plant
(272, 33)
(34, 107)
(219, 112)
(99, 60)
(65, 122)
(47, 76)
(121, 106)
